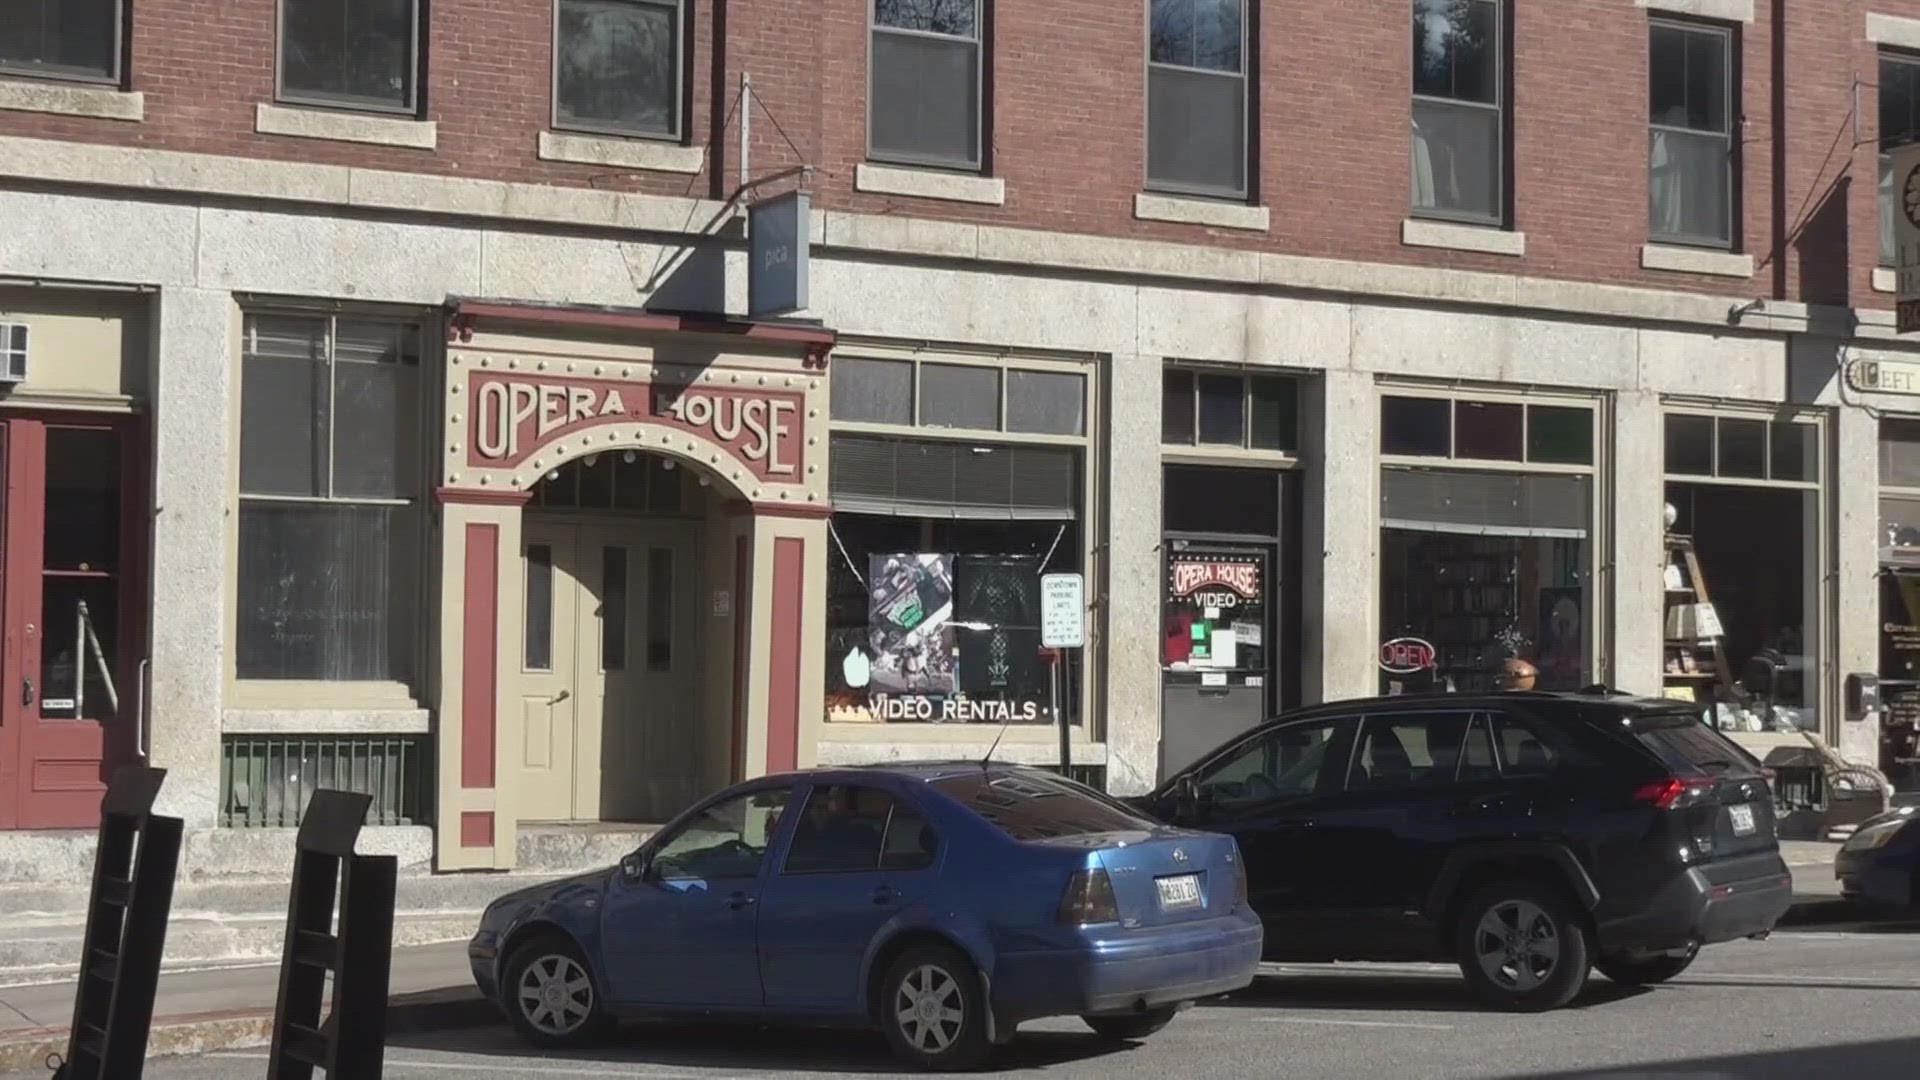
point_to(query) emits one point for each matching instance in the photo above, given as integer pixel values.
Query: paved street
(1802, 1004)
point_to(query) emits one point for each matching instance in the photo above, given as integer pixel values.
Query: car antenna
(996, 743)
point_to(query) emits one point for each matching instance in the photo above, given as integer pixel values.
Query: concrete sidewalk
(431, 988)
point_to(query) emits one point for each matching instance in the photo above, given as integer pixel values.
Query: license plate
(1181, 891)
(1742, 820)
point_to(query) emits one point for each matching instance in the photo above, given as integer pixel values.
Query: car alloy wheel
(930, 1009)
(1518, 945)
(555, 995)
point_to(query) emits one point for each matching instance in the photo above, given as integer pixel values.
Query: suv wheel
(1644, 969)
(1522, 947)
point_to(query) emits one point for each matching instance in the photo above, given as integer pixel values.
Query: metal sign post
(1063, 625)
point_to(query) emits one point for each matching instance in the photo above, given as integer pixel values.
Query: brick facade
(1064, 123)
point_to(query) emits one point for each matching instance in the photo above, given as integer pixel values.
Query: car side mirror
(635, 866)
(1186, 795)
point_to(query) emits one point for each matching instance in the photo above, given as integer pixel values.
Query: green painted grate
(266, 780)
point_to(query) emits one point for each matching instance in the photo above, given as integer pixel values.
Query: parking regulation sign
(1063, 611)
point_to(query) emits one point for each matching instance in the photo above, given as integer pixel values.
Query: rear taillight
(1672, 793)
(1089, 899)
(1240, 900)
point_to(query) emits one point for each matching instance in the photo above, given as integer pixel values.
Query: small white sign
(1063, 611)
(722, 603)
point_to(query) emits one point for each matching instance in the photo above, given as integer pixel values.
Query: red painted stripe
(479, 657)
(742, 641)
(783, 655)
(476, 828)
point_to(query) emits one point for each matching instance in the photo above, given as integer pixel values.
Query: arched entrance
(633, 545)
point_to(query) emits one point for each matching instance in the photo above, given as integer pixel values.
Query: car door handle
(885, 894)
(740, 901)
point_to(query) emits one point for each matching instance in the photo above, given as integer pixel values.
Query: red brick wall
(1068, 109)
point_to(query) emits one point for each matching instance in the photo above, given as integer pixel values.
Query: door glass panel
(1409, 750)
(79, 605)
(539, 614)
(726, 840)
(613, 609)
(1283, 763)
(841, 831)
(659, 609)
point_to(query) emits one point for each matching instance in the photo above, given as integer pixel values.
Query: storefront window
(941, 533)
(1228, 409)
(1742, 577)
(1900, 601)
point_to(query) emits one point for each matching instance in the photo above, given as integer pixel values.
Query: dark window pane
(1031, 805)
(1223, 406)
(925, 99)
(559, 487)
(1196, 136)
(1275, 413)
(283, 407)
(1456, 159)
(1418, 749)
(1176, 408)
(352, 51)
(1196, 34)
(1689, 181)
(596, 481)
(960, 396)
(538, 632)
(872, 391)
(841, 831)
(1046, 402)
(659, 609)
(326, 591)
(77, 652)
(1489, 430)
(1900, 453)
(613, 608)
(1522, 751)
(1888, 244)
(666, 485)
(1690, 445)
(1422, 426)
(1291, 761)
(630, 475)
(1559, 436)
(1707, 81)
(376, 438)
(959, 18)
(82, 526)
(1220, 499)
(617, 66)
(911, 843)
(60, 37)
(1796, 451)
(1743, 449)
(1687, 78)
(1456, 47)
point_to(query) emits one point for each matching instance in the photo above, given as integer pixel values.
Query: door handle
(885, 894)
(559, 697)
(739, 901)
(26, 692)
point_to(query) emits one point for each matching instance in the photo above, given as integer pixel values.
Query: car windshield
(1682, 742)
(1036, 806)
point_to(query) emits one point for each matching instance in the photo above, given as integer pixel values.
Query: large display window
(956, 484)
(1487, 557)
(1900, 601)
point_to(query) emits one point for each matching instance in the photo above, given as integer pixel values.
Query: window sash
(973, 159)
(342, 100)
(1238, 187)
(1430, 206)
(114, 74)
(1668, 218)
(1723, 40)
(675, 129)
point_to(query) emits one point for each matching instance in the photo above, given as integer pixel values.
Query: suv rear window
(1035, 806)
(1682, 742)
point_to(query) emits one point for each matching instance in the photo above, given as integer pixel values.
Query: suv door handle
(739, 901)
(26, 693)
(885, 894)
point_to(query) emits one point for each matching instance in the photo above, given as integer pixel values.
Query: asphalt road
(1818, 1003)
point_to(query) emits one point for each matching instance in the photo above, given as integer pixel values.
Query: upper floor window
(1899, 123)
(1197, 97)
(1690, 146)
(923, 92)
(616, 66)
(61, 39)
(1229, 409)
(1459, 125)
(362, 54)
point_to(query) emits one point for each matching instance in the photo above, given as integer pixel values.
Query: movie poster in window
(1900, 625)
(998, 608)
(909, 629)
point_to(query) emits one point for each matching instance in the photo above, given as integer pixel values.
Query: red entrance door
(72, 540)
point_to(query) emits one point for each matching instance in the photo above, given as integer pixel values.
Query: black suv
(1528, 836)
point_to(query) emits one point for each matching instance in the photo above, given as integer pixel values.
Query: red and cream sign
(1191, 577)
(513, 418)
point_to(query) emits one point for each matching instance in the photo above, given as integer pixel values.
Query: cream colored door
(644, 674)
(549, 672)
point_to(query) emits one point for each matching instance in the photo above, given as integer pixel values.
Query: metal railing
(266, 780)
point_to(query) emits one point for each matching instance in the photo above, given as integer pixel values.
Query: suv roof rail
(1602, 690)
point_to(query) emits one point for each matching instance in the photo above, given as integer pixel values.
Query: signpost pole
(1063, 626)
(1060, 716)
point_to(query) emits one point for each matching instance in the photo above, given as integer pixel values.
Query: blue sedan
(941, 903)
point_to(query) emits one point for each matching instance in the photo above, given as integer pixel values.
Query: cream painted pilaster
(1639, 544)
(1340, 539)
(1856, 573)
(1131, 612)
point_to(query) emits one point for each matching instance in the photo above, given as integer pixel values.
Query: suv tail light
(1089, 899)
(1673, 793)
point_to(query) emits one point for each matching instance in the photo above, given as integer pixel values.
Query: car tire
(1644, 970)
(1130, 1027)
(1522, 946)
(552, 995)
(933, 1008)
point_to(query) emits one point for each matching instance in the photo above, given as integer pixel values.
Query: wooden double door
(611, 723)
(73, 605)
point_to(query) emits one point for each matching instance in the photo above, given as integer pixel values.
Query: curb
(27, 1050)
